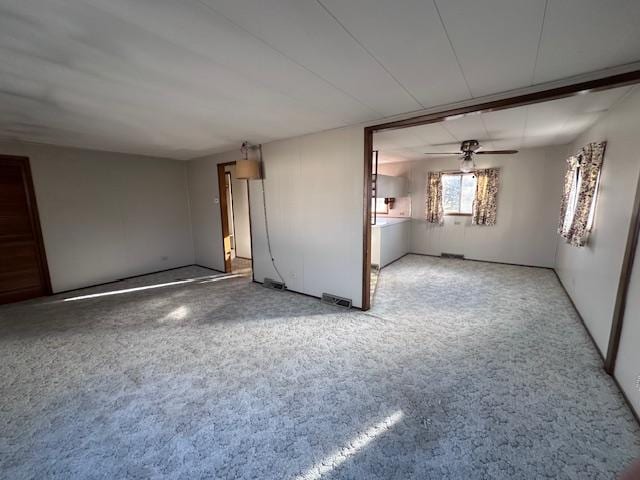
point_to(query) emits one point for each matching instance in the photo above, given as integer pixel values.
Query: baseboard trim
(626, 399)
(394, 261)
(479, 260)
(304, 294)
(579, 316)
(133, 276)
(208, 268)
(287, 289)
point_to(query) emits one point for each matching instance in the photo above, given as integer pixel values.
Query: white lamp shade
(467, 165)
(247, 169)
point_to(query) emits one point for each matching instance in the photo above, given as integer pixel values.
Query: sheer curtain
(580, 192)
(485, 205)
(569, 196)
(434, 209)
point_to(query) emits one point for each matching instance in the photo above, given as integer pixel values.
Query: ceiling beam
(589, 86)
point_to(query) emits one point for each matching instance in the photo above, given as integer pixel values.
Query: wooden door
(23, 265)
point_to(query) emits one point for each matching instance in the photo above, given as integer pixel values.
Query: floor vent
(273, 284)
(452, 255)
(335, 300)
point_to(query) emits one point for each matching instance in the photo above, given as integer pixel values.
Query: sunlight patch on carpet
(353, 447)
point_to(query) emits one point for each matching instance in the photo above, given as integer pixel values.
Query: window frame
(459, 213)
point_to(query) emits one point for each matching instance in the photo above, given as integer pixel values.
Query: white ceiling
(557, 122)
(182, 79)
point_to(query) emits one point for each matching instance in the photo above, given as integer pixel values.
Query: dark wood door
(23, 266)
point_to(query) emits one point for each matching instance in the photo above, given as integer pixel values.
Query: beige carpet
(462, 370)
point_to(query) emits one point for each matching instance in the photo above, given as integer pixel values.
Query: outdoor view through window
(458, 193)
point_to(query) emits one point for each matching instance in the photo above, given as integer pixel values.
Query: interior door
(23, 266)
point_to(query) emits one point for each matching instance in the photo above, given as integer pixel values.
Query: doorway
(371, 175)
(24, 273)
(235, 217)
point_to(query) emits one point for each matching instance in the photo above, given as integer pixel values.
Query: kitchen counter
(389, 239)
(386, 221)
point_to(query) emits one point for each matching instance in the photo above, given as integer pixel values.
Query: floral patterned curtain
(485, 205)
(579, 194)
(434, 209)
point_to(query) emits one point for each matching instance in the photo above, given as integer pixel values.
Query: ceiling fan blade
(449, 144)
(496, 152)
(442, 153)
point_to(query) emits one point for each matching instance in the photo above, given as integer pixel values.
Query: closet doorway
(236, 220)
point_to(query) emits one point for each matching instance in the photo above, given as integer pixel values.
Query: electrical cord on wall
(266, 221)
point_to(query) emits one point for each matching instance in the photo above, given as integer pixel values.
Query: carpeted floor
(462, 370)
(241, 265)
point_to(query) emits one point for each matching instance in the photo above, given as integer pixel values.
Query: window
(378, 205)
(572, 203)
(580, 193)
(458, 193)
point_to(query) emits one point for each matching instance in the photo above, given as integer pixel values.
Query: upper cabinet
(389, 186)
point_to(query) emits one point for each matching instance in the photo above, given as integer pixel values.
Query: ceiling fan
(469, 148)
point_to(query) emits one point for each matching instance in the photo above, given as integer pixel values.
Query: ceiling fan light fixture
(468, 150)
(467, 165)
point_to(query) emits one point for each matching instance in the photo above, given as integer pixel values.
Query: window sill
(458, 214)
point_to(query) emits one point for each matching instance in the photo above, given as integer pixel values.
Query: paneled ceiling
(183, 79)
(557, 122)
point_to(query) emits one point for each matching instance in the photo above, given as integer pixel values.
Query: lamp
(467, 164)
(245, 168)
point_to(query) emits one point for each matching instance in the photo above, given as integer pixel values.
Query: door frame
(605, 83)
(633, 236)
(34, 217)
(224, 216)
(232, 233)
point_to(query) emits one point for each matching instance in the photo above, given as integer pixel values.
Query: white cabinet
(389, 240)
(391, 187)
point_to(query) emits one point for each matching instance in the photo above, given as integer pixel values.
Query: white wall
(395, 169)
(106, 216)
(314, 201)
(591, 273)
(627, 369)
(528, 208)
